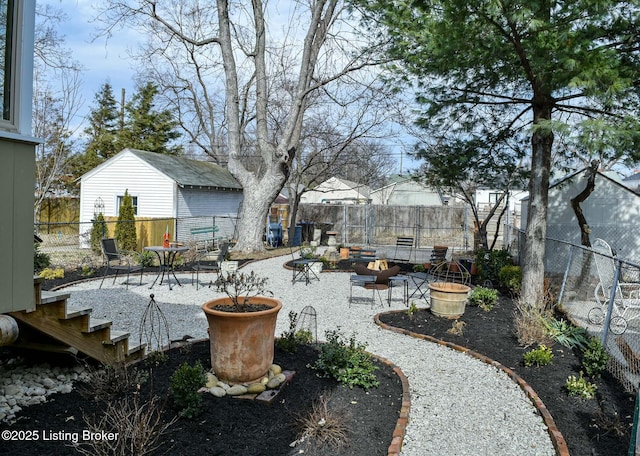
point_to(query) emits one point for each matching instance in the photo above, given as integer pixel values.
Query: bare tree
(55, 104)
(255, 51)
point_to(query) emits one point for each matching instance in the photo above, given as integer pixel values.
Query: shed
(612, 212)
(162, 186)
(337, 190)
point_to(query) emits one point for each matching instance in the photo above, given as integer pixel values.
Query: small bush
(485, 298)
(581, 387)
(41, 260)
(418, 268)
(566, 334)
(412, 310)
(540, 356)
(530, 325)
(347, 362)
(184, 385)
(291, 339)
(49, 274)
(510, 277)
(147, 259)
(489, 263)
(324, 425)
(594, 359)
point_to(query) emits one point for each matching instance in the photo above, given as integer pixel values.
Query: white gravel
(459, 405)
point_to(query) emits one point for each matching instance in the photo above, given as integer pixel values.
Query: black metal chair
(119, 260)
(403, 243)
(201, 264)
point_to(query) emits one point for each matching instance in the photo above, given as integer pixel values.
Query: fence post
(612, 298)
(566, 273)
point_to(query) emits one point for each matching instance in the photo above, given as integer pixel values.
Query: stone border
(557, 439)
(403, 418)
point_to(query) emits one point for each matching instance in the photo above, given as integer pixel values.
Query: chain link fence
(598, 289)
(68, 245)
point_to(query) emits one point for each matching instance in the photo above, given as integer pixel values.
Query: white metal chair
(626, 306)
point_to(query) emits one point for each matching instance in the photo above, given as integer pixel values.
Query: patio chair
(403, 244)
(119, 260)
(202, 264)
(626, 306)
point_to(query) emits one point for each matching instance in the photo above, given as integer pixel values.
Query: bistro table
(166, 257)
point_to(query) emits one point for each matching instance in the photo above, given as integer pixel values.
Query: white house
(336, 190)
(162, 186)
(612, 212)
(404, 191)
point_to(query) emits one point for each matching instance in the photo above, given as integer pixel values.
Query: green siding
(16, 226)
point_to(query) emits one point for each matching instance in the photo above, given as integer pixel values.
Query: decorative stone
(217, 391)
(223, 385)
(275, 369)
(264, 379)
(276, 381)
(237, 390)
(256, 388)
(212, 380)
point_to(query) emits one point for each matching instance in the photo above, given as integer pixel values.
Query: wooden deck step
(117, 336)
(48, 297)
(96, 324)
(75, 312)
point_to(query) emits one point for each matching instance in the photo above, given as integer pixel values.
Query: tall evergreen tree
(536, 69)
(126, 226)
(147, 128)
(102, 132)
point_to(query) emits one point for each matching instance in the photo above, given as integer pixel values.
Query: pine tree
(126, 226)
(145, 127)
(103, 132)
(98, 231)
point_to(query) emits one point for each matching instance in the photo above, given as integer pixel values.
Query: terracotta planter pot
(242, 343)
(448, 299)
(344, 253)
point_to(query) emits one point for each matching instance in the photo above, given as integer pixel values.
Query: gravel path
(459, 405)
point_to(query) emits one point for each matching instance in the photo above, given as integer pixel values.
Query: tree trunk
(532, 292)
(258, 197)
(581, 197)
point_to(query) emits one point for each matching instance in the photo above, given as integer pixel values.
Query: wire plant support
(154, 328)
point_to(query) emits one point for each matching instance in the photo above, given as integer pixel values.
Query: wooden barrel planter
(448, 299)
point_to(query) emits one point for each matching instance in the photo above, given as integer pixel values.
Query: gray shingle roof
(190, 173)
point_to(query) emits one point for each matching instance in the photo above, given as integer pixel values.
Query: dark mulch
(590, 427)
(231, 426)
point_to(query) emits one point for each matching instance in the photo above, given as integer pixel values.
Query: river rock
(217, 391)
(275, 369)
(256, 388)
(237, 390)
(212, 380)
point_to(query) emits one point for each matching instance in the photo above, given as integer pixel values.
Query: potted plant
(241, 328)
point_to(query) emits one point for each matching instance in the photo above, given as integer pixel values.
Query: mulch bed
(601, 426)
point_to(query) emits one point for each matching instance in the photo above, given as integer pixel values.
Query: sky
(106, 59)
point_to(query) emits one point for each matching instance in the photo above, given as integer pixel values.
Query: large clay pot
(448, 299)
(242, 343)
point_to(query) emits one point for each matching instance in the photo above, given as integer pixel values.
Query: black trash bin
(297, 236)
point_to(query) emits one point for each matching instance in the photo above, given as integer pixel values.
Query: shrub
(489, 263)
(347, 362)
(540, 356)
(485, 298)
(41, 260)
(510, 277)
(418, 268)
(147, 259)
(594, 359)
(98, 231)
(125, 231)
(580, 387)
(291, 339)
(324, 425)
(184, 385)
(566, 334)
(530, 324)
(48, 273)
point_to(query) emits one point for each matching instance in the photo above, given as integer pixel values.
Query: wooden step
(76, 328)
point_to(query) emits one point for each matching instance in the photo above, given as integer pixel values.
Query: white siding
(155, 191)
(194, 202)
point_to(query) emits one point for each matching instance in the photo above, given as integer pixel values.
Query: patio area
(450, 391)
